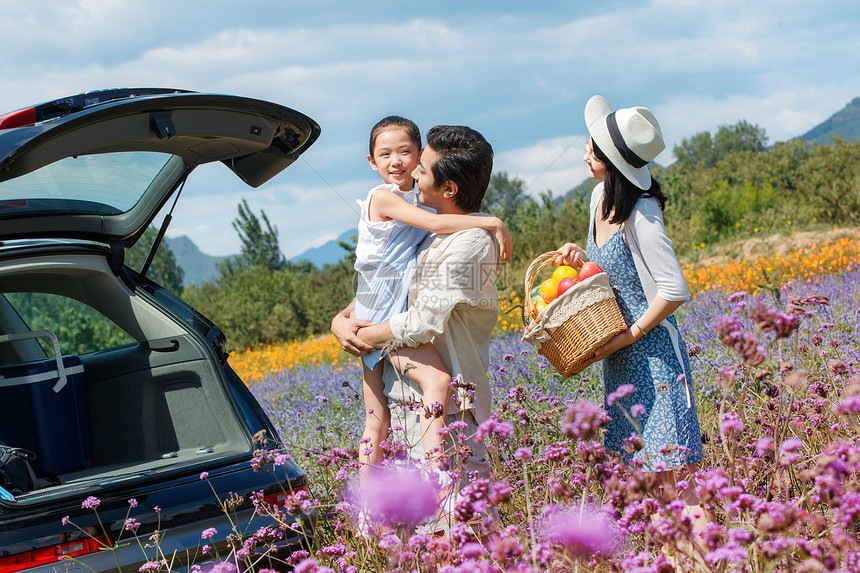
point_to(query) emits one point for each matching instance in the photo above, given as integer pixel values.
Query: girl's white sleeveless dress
(385, 261)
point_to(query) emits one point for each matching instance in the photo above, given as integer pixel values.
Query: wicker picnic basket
(571, 327)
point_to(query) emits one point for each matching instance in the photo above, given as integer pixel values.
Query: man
(453, 301)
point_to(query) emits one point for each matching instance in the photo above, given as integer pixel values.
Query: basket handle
(537, 266)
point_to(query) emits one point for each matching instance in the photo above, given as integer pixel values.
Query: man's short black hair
(465, 158)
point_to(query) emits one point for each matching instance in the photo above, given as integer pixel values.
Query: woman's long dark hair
(619, 194)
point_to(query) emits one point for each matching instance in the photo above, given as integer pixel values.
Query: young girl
(392, 225)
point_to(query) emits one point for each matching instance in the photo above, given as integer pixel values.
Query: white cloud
(553, 164)
(520, 75)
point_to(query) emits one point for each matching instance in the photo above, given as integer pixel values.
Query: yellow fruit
(549, 289)
(564, 271)
(539, 306)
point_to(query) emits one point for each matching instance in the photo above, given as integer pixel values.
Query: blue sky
(519, 72)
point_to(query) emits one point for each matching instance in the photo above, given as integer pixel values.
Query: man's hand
(345, 328)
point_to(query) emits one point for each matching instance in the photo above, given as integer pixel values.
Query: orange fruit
(539, 306)
(549, 289)
(564, 271)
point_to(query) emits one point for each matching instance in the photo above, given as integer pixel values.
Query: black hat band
(627, 153)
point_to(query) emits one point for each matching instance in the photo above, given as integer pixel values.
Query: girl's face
(596, 168)
(395, 157)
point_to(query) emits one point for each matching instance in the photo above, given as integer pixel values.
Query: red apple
(588, 269)
(565, 284)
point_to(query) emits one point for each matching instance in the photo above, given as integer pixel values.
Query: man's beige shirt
(453, 303)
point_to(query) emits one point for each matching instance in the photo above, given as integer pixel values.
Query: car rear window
(80, 328)
(107, 183)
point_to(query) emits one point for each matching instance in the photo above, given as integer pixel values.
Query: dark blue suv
(135, 450)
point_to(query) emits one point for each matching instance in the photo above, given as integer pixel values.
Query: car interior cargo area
(144, 399)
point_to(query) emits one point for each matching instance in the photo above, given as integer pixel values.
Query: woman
(626, 238)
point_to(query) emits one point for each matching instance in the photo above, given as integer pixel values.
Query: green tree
(504, 195)
(260, 247)
(703, 151)
(164, 269)
(79, 328)
(831, 181)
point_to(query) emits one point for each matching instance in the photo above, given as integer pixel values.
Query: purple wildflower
(731, 552)
(204, 475)
(620, 392)
(224, 567)
(396, 498)
(389, 542)
(788, 451)
(730, 422)
(584, 534)
(583, 419)
(763, 446)
(736, 296)
(472, 550)
(523, 453)
(209, 533)
(132, 502)
(91, 502)
(850, 405)
(306, 566)
(748, 347)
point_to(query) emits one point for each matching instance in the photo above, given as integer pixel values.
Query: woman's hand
(503, 237)
(570, 254)
(617, 342)
(345, 328)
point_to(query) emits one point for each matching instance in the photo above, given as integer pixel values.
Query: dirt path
(777, 243)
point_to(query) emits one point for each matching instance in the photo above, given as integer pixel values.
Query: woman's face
(596, 168)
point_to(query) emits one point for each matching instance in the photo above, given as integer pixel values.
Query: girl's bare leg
(376, 423)
(694, 508)
(424, 366)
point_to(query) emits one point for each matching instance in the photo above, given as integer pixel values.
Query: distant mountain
(327, 253)
(197, 265)
(200, 267)
(845, 123)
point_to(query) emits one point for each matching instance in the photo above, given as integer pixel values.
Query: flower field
(775, 355)
(767, 273)
(777, 387)
(256, 362)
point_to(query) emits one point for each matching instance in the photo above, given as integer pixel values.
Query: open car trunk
(156, 401)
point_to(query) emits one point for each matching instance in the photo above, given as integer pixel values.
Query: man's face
(429, 193)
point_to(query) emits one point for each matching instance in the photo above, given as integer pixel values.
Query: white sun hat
(630, 138)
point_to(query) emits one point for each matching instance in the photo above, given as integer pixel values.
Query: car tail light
(54, 553)
(278, 498)
(20, 118)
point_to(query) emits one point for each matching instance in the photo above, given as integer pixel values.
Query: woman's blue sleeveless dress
(669, 427)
